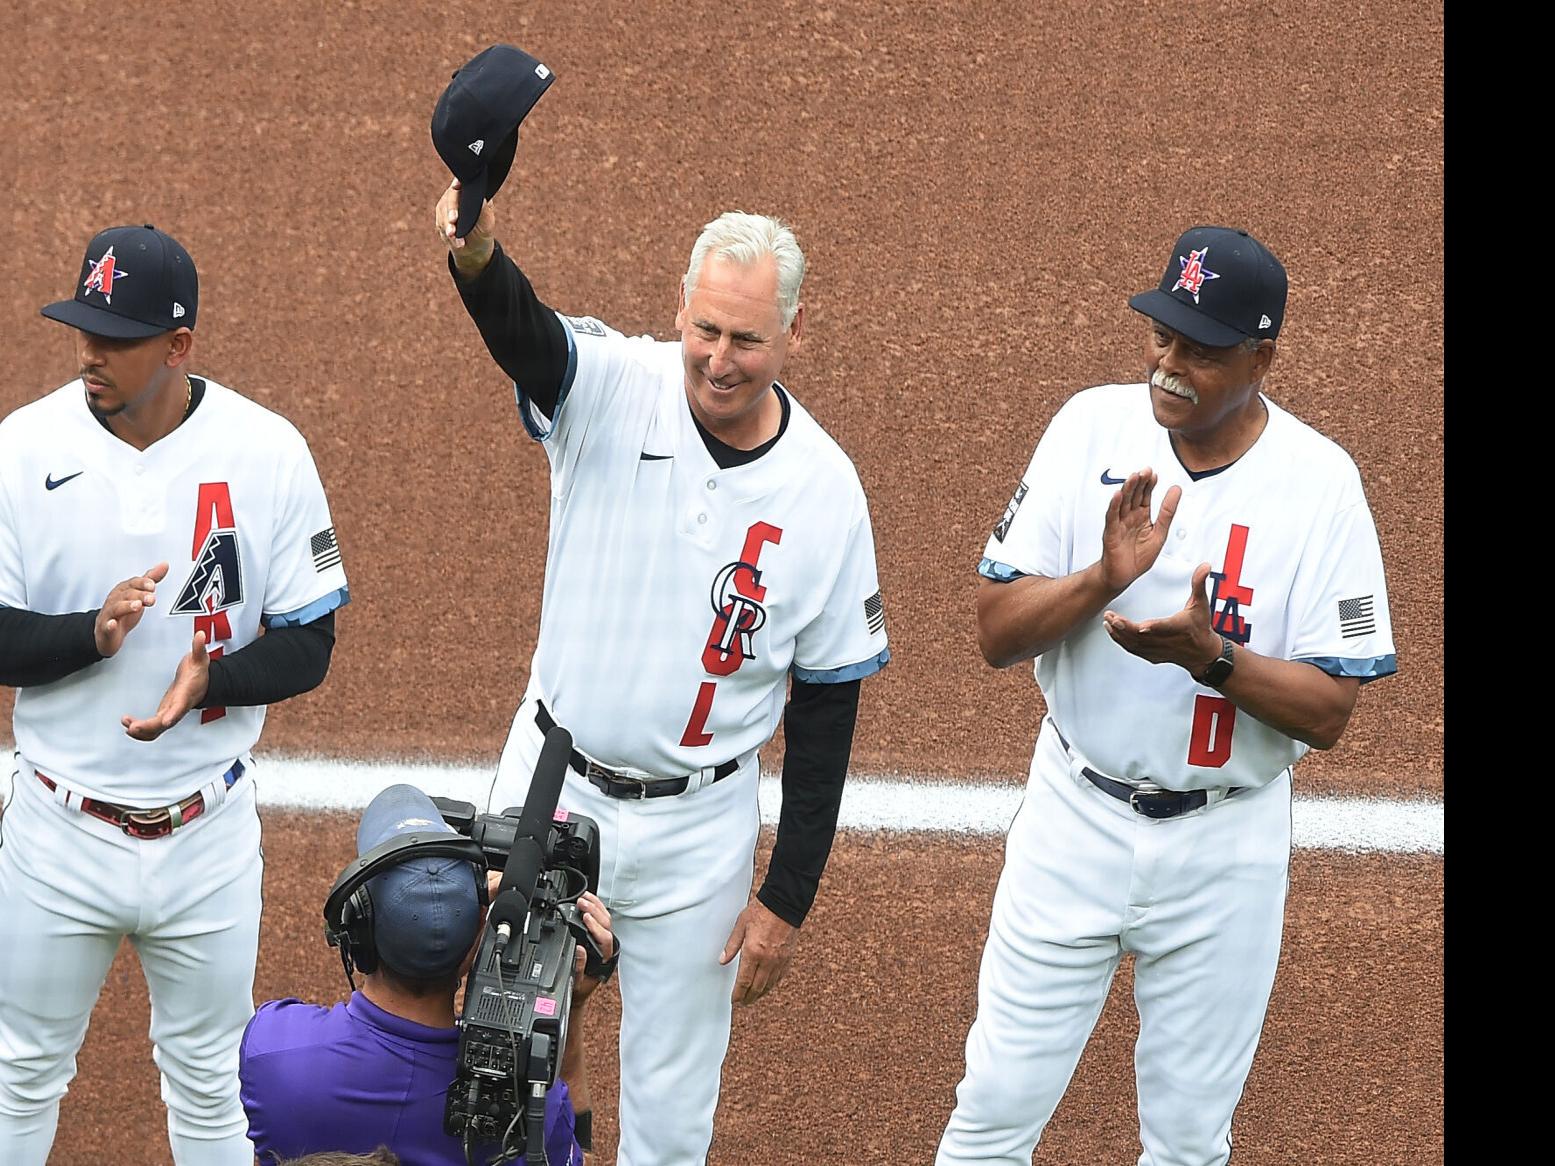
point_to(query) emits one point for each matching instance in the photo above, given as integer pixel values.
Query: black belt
(1165, 804)
(621, 785)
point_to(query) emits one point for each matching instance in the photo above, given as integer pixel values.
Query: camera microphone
(530, 850)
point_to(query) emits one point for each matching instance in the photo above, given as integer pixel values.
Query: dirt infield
(979, 187)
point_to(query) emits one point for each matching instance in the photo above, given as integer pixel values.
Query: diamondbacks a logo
(1194, 273)
(1009, 513)
(1227, 593)
(215, 583)
(738, 614)
(104, 271)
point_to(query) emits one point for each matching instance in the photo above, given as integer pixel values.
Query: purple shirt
(354, 1077)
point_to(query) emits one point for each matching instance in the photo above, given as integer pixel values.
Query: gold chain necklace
(188, 393)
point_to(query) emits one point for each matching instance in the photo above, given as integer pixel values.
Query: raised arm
(522, 334)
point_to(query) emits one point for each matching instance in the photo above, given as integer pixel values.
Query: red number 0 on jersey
(737, 597)
(1209, 745)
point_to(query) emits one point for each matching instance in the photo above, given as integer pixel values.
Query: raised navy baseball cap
(1221, 286)
(135, 282)
(475, 124)
(426, 911)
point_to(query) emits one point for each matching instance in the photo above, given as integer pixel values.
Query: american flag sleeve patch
(326, 551)
(1357, 617)
(874, 613)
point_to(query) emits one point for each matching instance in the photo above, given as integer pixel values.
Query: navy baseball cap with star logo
(1221, 287)
(135, 282)
(475, 124)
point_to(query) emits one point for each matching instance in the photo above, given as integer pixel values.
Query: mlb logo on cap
(135, 282)
(475, 124)
(1221, 287)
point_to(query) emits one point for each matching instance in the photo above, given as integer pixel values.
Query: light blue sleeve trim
(849, 672)
(291, 619)
(1368, 669)
(999, 572)
(532, 427)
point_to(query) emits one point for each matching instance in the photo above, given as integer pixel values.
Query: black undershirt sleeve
(523, 336)
(818, 731)
(40, 649)
(284, 662)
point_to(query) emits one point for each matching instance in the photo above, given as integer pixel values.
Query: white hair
(744, 239)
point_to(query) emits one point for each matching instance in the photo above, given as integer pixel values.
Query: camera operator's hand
(596, 917)
(768, 943)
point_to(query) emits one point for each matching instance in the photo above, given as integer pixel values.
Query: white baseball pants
(70, 887)
(675, 873)
(1199, 900)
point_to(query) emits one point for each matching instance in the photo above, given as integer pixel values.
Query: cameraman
(376, 1069)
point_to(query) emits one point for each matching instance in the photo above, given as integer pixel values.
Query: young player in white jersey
(1188, 661)
(708, 541)
(151, 522)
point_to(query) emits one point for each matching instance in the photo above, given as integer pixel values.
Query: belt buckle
(611, 775)
(147, 823)
(1144, 809)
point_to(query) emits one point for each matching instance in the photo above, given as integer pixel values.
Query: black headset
(348, 911)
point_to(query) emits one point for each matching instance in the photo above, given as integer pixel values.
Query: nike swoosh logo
(50, 483)
(656, 457)
(1106, 481)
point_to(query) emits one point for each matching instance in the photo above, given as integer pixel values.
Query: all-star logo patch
(102, 274)
(586, 325)
(1194, 273)
(1009, 513)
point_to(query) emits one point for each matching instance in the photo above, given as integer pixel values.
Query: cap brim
(472, 195)
(1185, 318)
(100, 322)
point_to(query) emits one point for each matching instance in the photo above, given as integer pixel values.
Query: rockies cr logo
(737, 605)
(739, 616)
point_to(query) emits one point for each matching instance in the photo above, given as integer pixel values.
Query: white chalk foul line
(895, 804)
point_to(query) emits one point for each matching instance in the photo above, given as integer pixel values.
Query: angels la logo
(216, 583)
(102, 274)
(1194, 273)
(1228, 594)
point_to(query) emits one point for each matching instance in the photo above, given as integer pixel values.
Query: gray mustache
(1173, 384)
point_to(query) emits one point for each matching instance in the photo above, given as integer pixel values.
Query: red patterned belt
(138, 822)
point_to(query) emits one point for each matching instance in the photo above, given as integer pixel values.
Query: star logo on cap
(104, 272)
(1194, 273)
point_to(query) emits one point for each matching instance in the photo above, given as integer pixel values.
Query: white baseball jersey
(678, 595)
(231, 499)
(1297, 576)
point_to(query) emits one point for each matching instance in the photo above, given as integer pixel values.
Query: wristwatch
(1219, 670)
